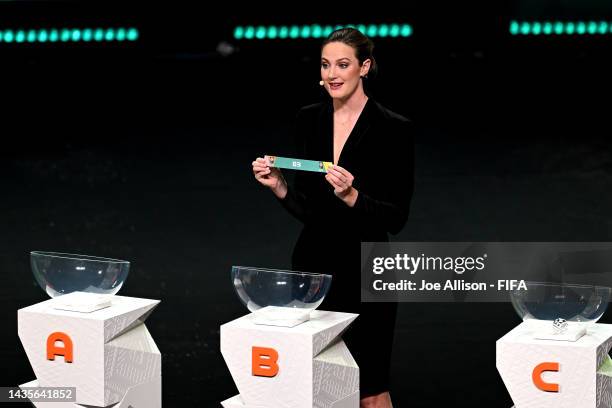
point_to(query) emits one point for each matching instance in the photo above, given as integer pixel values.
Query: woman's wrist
(351, 197)
(280, 191)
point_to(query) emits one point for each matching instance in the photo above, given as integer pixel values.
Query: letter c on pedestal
(265, 362)
(53, 350)
(537, 377)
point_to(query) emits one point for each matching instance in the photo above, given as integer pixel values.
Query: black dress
(379, 154)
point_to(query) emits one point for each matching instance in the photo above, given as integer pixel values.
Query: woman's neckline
(361, 108)
(351, 135)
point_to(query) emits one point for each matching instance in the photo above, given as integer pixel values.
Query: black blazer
(379, 152)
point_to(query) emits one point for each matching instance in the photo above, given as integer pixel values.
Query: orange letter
(265, 362)
(65, 351)
(537, 377)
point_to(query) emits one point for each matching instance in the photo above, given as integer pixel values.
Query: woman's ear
(365, 67)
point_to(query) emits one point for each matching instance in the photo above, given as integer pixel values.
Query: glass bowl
(60, 273)
(280, 297)
(560, 311)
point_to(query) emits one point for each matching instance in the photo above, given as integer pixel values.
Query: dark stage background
(143, 151)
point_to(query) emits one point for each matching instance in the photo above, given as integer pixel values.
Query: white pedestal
(557, 374)
(107, 354)
(142, 395)
(304, 366)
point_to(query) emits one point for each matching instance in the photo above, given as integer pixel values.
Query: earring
(321, 83)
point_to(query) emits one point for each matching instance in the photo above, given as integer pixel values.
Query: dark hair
(363, 46)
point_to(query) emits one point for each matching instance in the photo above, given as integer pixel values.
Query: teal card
(297, 164)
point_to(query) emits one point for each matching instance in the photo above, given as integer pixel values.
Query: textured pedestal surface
(303, 367)
(557, 374)
(108, 354)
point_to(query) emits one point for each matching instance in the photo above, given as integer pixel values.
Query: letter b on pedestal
(265, 362)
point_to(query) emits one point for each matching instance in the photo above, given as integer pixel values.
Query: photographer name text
(448, 285)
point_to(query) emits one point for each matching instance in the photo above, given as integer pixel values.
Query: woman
(364, 195)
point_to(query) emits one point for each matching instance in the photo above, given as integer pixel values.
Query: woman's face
(341, 71)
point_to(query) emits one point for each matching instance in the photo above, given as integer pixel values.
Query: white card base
(82, 302)
(281, 316)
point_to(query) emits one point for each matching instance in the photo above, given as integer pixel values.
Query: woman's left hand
(342, 182)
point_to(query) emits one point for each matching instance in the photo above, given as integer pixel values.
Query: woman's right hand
(270, 177)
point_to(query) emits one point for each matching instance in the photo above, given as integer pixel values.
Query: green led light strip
(293, 32)
(560, 27)
(69, 35)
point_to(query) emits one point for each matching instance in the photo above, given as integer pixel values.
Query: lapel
(357, 133)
